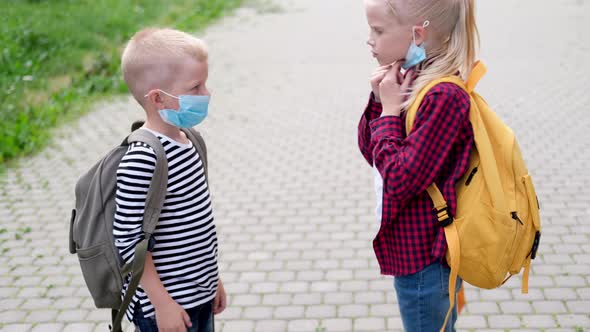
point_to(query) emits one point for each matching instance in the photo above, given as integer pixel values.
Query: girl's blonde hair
(452, 41)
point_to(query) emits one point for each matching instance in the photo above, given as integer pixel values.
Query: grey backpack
(91, 224)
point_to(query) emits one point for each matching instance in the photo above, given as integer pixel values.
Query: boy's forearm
(151, 283)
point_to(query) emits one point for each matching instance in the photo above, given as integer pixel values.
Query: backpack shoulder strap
(440, 204)
(153, 206)
(412, 112)
(199, 143)
(478, 71)
(155, 196)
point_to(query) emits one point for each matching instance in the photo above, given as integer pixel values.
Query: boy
(166, 71)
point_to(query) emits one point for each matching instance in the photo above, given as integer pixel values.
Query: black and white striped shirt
(185, 250)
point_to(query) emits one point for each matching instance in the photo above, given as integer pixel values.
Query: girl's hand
(394, 88)
(376, 79)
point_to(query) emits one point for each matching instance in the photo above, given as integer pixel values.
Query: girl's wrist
(391, 110)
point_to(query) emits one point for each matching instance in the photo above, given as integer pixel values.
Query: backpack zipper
(515, 217)
(470, 177)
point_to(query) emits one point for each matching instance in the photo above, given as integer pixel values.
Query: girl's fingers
(379, 72)
(378, 76)
(385, 67)
(396, 66)
(407, 82)
(393, 74)
(400, 77)
(409, 72)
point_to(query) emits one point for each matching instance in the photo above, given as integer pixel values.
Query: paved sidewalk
(293, 198)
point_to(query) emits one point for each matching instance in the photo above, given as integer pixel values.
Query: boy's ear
(154, 97)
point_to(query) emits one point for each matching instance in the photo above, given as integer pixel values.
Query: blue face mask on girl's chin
(416, 53)
(192, 111)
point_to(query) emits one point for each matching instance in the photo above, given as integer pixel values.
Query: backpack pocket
(530, 224)
(101, 276)
(486, 238)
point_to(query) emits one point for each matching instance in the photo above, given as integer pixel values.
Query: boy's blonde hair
(453, 38)
(153, 55)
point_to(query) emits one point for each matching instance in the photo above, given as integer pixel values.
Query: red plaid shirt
(436, 150)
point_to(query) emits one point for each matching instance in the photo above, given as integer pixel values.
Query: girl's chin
(385, 62)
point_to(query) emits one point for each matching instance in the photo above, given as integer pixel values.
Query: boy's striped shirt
(185, 246)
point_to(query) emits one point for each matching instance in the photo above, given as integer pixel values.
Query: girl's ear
(421, 34)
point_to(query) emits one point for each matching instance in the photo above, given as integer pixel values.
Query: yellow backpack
(496, 230)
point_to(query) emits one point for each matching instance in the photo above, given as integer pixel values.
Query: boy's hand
(171, 317)
(376, 79)
(220, 301)
(394, 88)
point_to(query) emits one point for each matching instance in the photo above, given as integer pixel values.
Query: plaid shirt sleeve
(372, 112)
(409, 165)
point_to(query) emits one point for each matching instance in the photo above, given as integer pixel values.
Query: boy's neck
(166, 129)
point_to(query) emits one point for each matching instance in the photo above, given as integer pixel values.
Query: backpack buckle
(444, 216)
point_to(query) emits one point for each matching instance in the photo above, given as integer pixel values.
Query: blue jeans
(423, 299)
(201, 317)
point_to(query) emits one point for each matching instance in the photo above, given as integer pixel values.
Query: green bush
(57, 56)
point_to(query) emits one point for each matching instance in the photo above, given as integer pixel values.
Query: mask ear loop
(424, 25)
(164, 92)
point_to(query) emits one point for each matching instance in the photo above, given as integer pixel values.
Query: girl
(428, 39)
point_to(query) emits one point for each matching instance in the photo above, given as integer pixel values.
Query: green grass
(58, 56)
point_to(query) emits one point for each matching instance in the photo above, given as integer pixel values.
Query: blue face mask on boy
(192, 111)
(416, 53)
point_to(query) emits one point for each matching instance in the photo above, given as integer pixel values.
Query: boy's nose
(370, 42)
